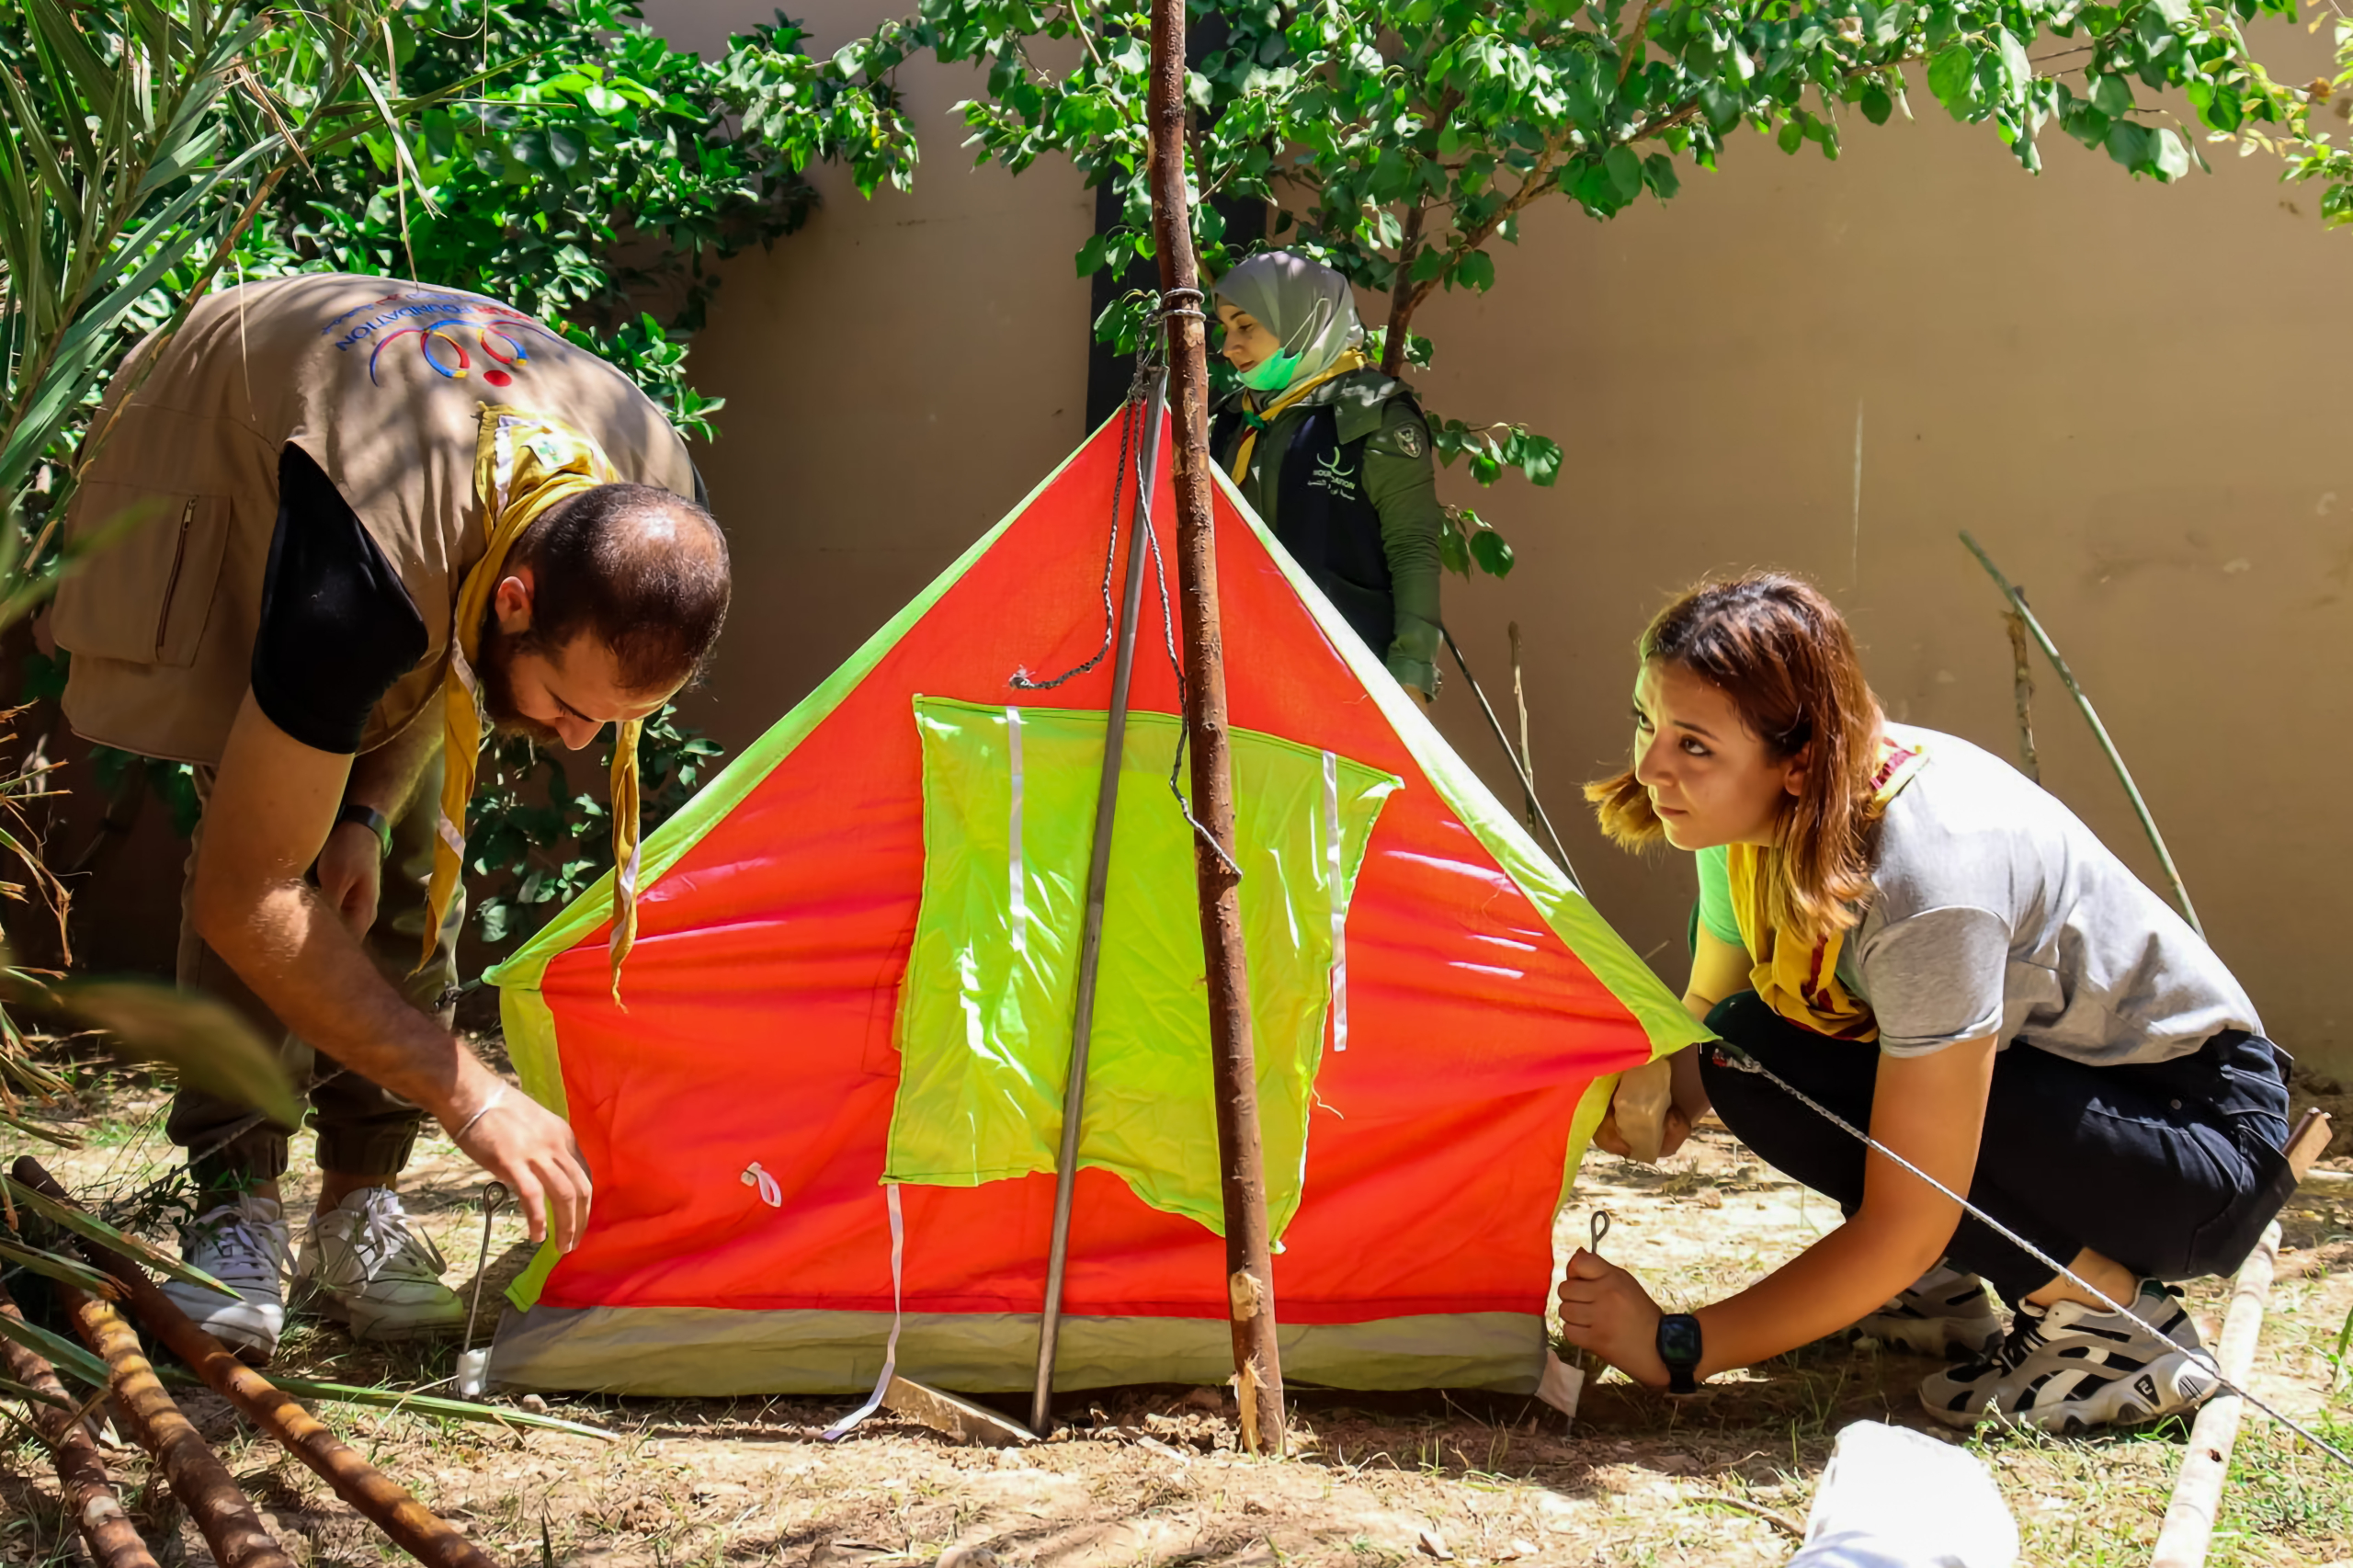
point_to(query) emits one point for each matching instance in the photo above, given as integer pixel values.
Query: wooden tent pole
(199, 1480)
(81, 1474)
(2189, 1527)
(1249, 1270)
(413, 1527)
(1090, 942)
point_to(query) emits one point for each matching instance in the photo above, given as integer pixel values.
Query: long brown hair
(1782, 652)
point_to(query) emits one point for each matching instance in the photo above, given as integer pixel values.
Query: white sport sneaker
(376, 1272)
(1946, 1313)
(245, 1245)
(2075, 1366)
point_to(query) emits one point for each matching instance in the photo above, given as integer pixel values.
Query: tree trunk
(1249, 1282)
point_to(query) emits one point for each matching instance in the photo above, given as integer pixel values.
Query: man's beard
(494, 676)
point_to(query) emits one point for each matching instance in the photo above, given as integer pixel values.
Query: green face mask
(1271, 375)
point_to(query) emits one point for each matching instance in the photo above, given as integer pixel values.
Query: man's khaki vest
(383, 384)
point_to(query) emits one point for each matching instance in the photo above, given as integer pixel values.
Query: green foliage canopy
(1402, 138)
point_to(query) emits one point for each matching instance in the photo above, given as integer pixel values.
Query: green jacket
(1400, 480)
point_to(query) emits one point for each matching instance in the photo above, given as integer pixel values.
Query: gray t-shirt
(1994, 911)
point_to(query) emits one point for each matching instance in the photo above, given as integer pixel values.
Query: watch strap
(1678, 1346)
(372, 820)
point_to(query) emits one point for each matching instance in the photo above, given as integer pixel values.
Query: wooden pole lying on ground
(2198, 1490)
(2019, 607)
(1250, 1281)
(89, 1496)
(413, 1527)
(1090, 942)
(201, 1483)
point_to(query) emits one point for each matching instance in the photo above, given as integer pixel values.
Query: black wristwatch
(372, 820)
(1678, 1346)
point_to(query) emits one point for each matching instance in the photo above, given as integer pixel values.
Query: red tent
(739, 1111)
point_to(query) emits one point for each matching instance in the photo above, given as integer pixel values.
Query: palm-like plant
(145, 137)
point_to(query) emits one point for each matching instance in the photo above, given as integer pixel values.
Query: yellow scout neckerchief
(524, 463)
(1799, 982)
(1259, 419)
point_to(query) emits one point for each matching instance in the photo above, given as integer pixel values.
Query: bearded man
(340, 528)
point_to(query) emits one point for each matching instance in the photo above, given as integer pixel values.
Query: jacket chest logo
(1333, 477)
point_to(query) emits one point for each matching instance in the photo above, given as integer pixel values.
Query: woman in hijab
(1333, 455)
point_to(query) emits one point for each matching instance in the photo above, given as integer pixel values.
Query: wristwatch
(1678, 1346)
(372, 820)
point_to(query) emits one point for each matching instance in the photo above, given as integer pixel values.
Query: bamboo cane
(2099, 731)
(1250, 1286)
(413, 1527)
(2022, 693)
(81, 1473)
(201, 1483)
(2189, 1524)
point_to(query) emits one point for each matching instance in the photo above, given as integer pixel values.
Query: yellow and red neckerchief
(524, 464)
(1798, 980)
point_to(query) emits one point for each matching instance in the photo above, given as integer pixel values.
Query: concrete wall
(2134, 394)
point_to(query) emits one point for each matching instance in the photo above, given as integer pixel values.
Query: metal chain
(1748, 1064)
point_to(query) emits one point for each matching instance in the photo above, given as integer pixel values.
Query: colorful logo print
(456, 335)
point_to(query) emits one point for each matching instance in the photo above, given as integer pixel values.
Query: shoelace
(386, 1244)
(241, 1256)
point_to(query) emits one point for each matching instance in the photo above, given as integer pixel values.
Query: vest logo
(1333, 477)
(442, 324)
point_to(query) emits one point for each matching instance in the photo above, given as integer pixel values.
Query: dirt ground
(1146, 1477)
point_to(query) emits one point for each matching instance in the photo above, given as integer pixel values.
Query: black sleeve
(337, 628)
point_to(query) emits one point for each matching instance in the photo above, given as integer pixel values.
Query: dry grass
(1148, 1477)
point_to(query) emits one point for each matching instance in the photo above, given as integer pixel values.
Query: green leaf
(2171, 157)
(1951, 76)
(1877, 105)
(55, 1265)
(94, 1228)
(1658, 173)
(208, 1044)
(1476, 270)
(1493, 556)
(400, 1401)
(59, 1353)
(1625, 170)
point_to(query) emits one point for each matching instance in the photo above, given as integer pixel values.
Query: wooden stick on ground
(200, 1481)
(413, 1527)
(89, 1496)
(2198, 1490)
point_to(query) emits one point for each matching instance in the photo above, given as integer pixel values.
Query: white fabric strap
(1019, 918)
(849, 1424)
(1332, 864)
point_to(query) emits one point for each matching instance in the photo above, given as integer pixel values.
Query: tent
(822, 1115)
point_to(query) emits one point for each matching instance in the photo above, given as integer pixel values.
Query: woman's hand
(1605, 1310)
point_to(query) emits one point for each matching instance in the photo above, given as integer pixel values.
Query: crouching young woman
(1905, 929)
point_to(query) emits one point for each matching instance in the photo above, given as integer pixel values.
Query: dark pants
(364, 1129)
(2171, 1169)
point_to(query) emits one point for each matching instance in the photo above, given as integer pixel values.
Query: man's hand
(1605, 1310)
(1609, 1141)
(351, 875)
(529, 1149)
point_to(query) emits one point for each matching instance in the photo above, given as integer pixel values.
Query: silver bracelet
(487, 1106)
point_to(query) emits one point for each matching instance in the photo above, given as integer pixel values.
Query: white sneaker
(2075, 1366)
(376, 1272)
(244, 1245)
(1945, 1312)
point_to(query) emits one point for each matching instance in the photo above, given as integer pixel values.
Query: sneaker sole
(2170, 1385)
(1953, 1339)
(382, 1326)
